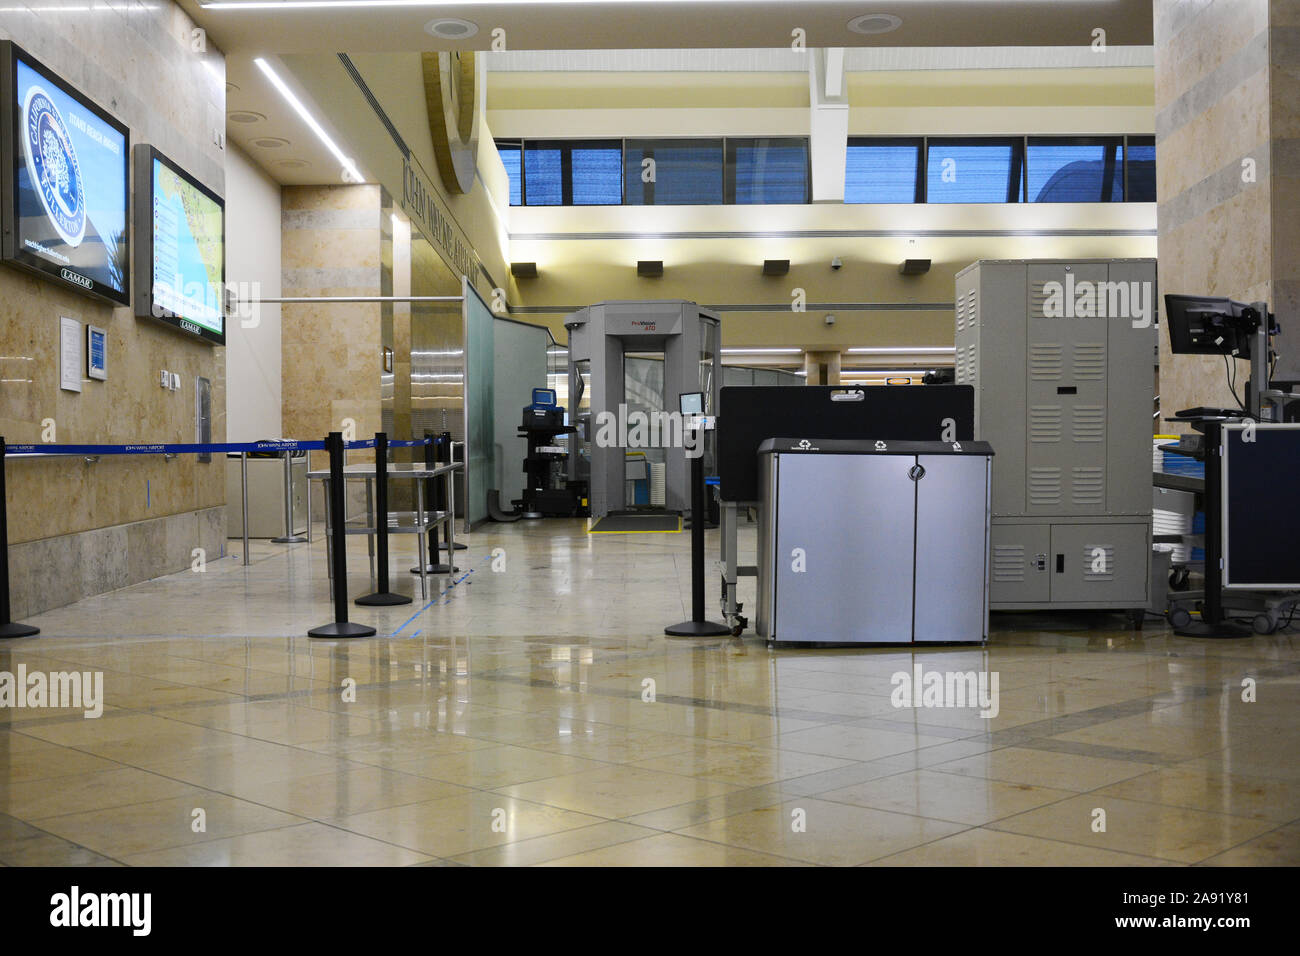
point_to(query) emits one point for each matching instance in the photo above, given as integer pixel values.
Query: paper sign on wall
(69, 354)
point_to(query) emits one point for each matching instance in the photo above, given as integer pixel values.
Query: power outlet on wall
(165, 379)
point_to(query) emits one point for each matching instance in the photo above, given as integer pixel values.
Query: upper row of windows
(877, 170)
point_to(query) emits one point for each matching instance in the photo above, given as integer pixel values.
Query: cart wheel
(1179, 617)
(1136, 617)
(1264, 624)
(736, 630)
(1178, 579)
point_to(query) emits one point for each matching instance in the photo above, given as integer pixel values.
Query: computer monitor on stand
(1200, 325)
(1203, 325)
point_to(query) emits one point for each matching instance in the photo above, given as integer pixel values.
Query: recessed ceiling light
(451, 28)
(245, 116)
(871, 23)
(292, 163)
(270, 142)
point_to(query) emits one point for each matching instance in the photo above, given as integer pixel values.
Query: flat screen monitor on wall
(180, 248)
(63, 194)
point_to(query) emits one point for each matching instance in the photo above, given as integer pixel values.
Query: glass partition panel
(520, 367)
(479, 405)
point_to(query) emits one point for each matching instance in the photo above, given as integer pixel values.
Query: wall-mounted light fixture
(523, 270)
(776, 267)
(650, 268)
(914, 267)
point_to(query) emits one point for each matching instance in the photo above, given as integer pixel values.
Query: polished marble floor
(534, 713)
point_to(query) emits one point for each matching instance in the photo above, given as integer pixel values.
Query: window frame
(565, 147)
(1143, 139)
(1019, 145)
(514, 143)
(1017, 167)
(919, 187)
(648, 188)
(729, 145)
(1091, 140)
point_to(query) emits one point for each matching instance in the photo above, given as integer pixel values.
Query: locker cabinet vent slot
(1038, 298)
(965, 365)
(1045, 423)
(1098, 563)
(1090, 423)
(1045, 362)
(1088, 486)
(1009, 562)
(1090, 362)
(1044, 486)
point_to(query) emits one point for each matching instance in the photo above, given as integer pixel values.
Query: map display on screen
(188, 250)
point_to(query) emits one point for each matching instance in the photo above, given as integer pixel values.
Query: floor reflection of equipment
(609, 422)
(1252, 519)
(873, 541)
(1061, 356)
(547, 493)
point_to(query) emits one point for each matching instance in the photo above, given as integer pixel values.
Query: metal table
(419, 522)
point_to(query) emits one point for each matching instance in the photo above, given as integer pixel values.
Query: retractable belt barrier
(334, 444)
(52, 450)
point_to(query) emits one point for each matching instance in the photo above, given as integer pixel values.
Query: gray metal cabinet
(951, 524)
(1098, 565)
(1060, 354)
(873, 542)
(265, 497)
(1020, 563)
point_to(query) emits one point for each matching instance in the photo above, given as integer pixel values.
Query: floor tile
(836, 834)
(1147, 829)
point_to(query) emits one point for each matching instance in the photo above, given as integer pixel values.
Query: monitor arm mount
(1255, 320)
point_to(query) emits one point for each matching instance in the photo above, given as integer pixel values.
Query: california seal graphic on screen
(54, 166)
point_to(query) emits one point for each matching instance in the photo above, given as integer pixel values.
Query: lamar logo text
(78, 279)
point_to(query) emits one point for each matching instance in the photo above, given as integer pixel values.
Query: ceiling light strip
(345, 161)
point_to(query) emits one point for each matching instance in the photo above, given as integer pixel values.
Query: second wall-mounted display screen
(181, 251)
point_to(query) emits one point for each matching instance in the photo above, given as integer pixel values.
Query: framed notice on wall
(96, 353)
(69, 354)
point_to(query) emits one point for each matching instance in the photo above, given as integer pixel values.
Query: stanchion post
(382, 597)
(243, 485)
(340, 626)
(7, 627)
(449, 503)
(436, 493)
(697, 626)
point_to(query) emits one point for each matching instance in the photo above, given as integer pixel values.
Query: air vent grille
(1009, 563)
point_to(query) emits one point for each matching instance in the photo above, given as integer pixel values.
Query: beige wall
(75, 528)
(253, 270)
(393, 77)
(1227, 76)
(333, 245)
(714, 254)
(590, 265)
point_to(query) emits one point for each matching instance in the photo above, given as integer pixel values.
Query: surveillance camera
(830, 320)
(837, 263)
